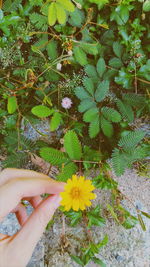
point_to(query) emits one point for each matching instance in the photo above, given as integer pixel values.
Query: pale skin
(15, 185)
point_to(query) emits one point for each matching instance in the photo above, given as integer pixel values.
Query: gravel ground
(126, 248)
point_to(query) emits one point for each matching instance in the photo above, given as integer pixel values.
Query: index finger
(12, 192)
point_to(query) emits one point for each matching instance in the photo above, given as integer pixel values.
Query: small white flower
(66, 103)
(59, 66)
(70, 52)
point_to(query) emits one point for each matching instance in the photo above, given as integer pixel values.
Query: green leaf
(107, 127)
(76, 18)
(113, 213)
(102, 91)
(91, 72)
(77, 260)
(91, 49)
(98, 261)
(68, 170)
(42, 111)
(52, 49)
(94, 127)
(81, 93)
(146, 6)
(125, 110)
(54, 156)
(61, 14)
(86, 104)
(55, 121)
(67, 4)
(120, 14)
(72, 145)
(52, 15)
(90, 114)
(80, 55)
(131, 139)
(111, 114)
(115, 63)
(118, 49)
(95, 218)
(141, 222)
(145, 214)
(74, 216)
(125, 79)
(88, 84)
(118, 162)
(12, 104)
(101, 67)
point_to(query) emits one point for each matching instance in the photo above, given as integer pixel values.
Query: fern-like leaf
(54, 156)
(131, 140)
(89, 85)
(90, 70)
(68, 170)
(10, 6)
(134, 100)
(94, 127)
(111, 114)
(107, 127)
(15, 160)
(39, 21)
(125, 110)
(72, 145)
(118, 162)
(90, 114)
(102, 91)
(81, 93)
(86, 104)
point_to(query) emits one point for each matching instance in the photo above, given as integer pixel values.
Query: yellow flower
(77, 194)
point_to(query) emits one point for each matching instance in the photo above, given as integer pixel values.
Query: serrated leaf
(102, 91)
(118, 162)
(54, 156)
(52, 15)
(11, 104)
(86, 104)
(101, 67)
(72, 145)
(67, 172)
(91, 72)
(125, 110)
(76, 18)
(117, 48)
(80, 55)
(90, 114)
(55, 121)
(111, 114)
(61, 14)
(107, 127)
(91, 49)
(88, 84)
(131, 139)
(42, 111)
(81, 93)
(115, 62)
(67, 4)
(94, 127)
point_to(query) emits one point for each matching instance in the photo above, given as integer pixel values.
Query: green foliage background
(95, 52)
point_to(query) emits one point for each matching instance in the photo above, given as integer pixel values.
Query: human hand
(15, 185)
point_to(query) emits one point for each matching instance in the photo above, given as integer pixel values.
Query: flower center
(75, 192)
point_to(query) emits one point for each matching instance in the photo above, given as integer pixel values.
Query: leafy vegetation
(96, 54)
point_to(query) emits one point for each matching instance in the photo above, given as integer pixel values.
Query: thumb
(26, 239)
